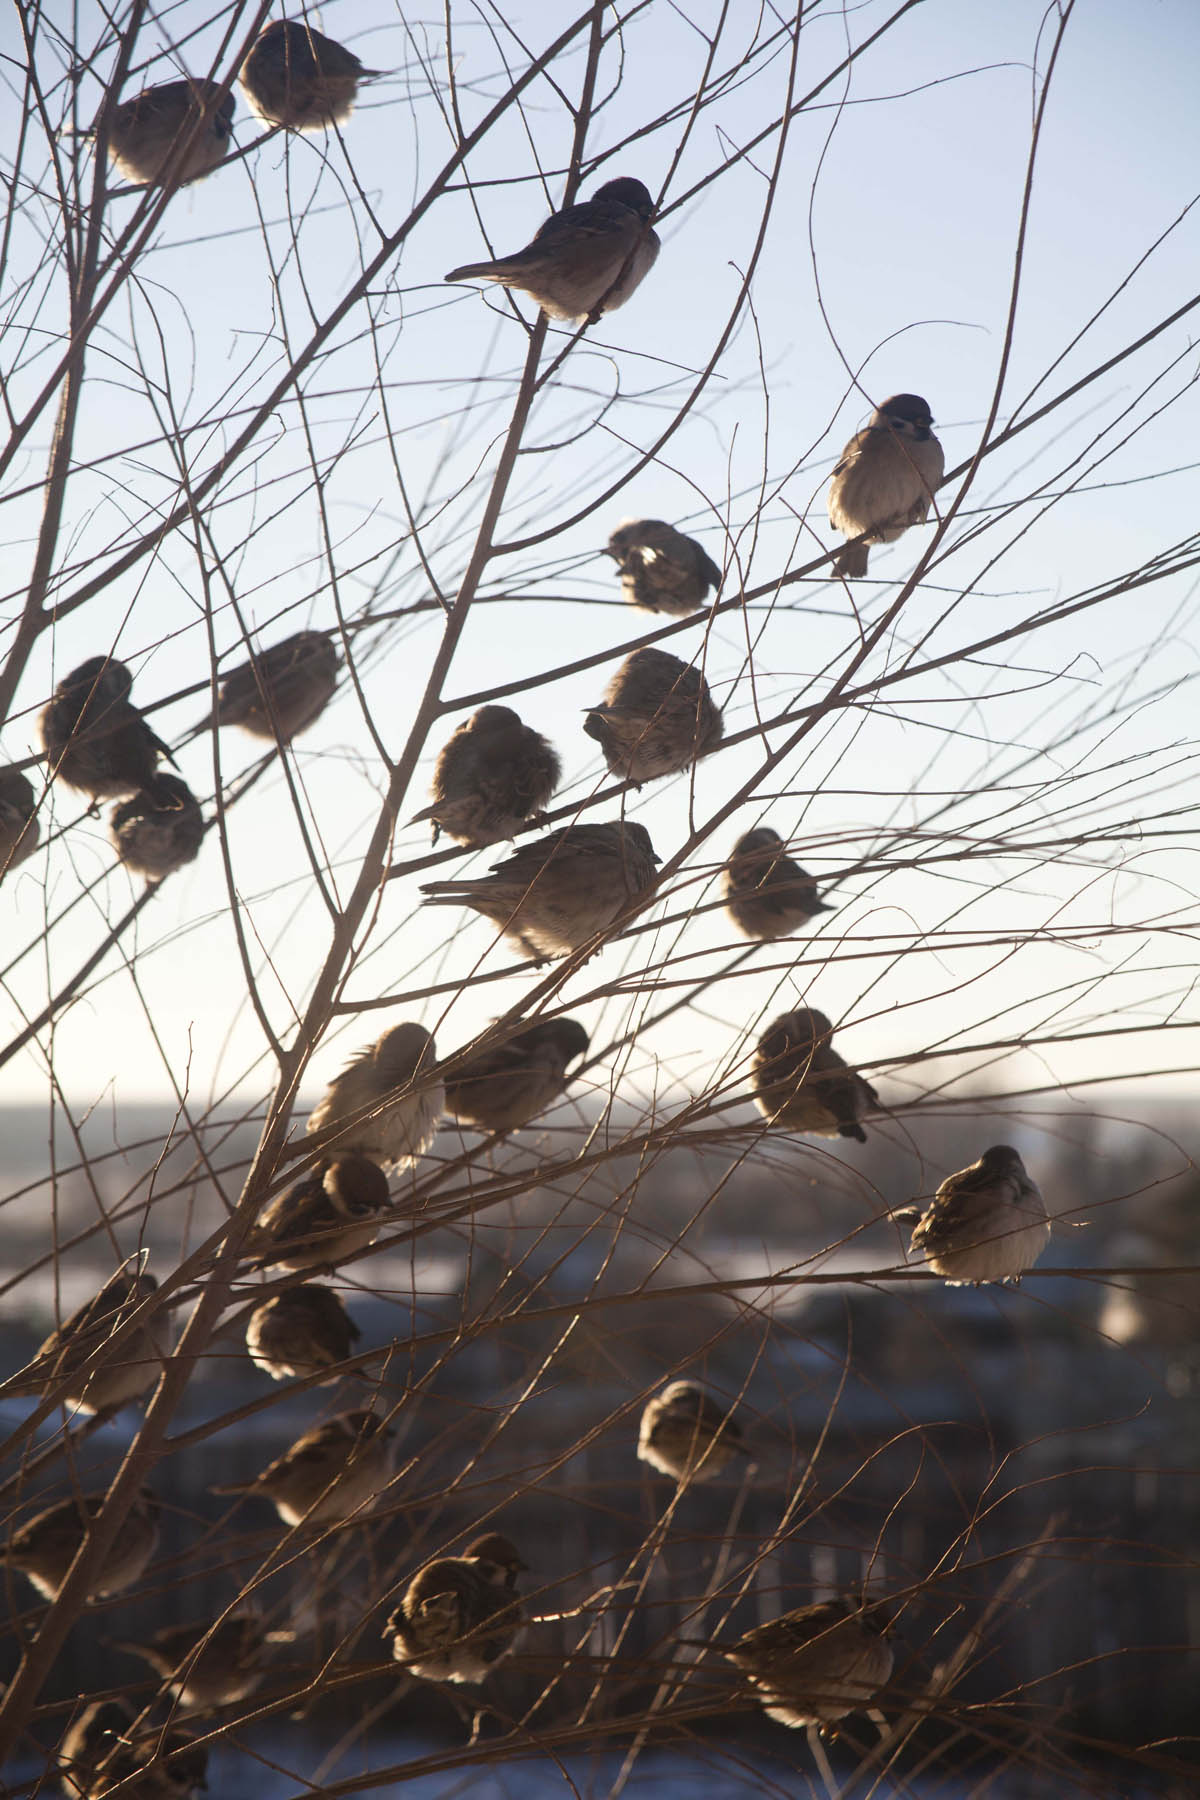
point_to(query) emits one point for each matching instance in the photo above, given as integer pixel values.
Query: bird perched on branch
(159, 829)
(767, 895)
(493, 775)
(387, 1101)
(207, 1662)
(657, 717)
(506, 1085)
(148, 132)
(19, 828)
(813, 1666)
(93, 736)
(460, 1614)
(45, 1546)
(985, 1223)
(556, 893)
(886, 479)
(324, 1219)
(298, 78)
(104, 1748)
(280, 691)
(331, 1473)
(684, 1433)
(662, 571)
(586, 260)
(300, 1332)
(802, 1083)
(116, 1378)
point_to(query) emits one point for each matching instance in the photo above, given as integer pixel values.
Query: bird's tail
(851, 562)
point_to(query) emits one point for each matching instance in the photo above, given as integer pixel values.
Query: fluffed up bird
(985, 1223)
(886, 479)
(685, 1434)
(280, 691)
(89, 1739)
(104, 1748)
(301, 1332)
(297, 78)
(813, 1666)
(19, 828)
(326, 1218)
(117, 1378)
(45, 1546)
(493, 775)
(148, 132)
(555, 894)
(508, 1084)
(387, 1101)
(93, 736)
(657, 717)
(586, 260)
(159, 829)
(801, 1083)
(767, 895)
(662, 571)
(333, 1472)
(460, 1614)
(208, 1662)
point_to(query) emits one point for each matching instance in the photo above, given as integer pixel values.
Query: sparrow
(885, 480)
(986, 1223)
(324, 1219)
(147, 132)
(333, 1472)
(813, 1666)
(662, 571)
(159, 829)
(206, 1663)
(505, 1086)
(94, 738)
(556, 893)
(802, 1083)
(493, 775)
(767, 895)
(64, 1356)
(19, 828)
(386, 1102)
(44, 1547)
(280, 691)
(586, 260)
(88, 1741)
(299, 1332)
(460, 1614)
(101, 1750)
(657, 717)
(684, 1433)
(297, 78)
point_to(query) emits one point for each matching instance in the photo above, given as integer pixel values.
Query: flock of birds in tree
(553, 896)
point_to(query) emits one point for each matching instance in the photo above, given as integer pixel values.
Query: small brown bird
(282, 690)
(556, 893)
(460, 1614)
(801, 1082)
(986, 1223)
(208, 1663)
(94, 738)
(767, 895)
(494, 775)
(333, 1472)
(116, 1379)
(300, 1332)
(147, 134)
(662, 571)
(159, 830)
(102, 1749)
(297, 78)
(19, 828)
(886, 479)
(324, 1219)
(387, 1100)
(45, 1546)
(657, 717)
(813, 1666)
(507, 1085)
(685, 1434)
(586, 260)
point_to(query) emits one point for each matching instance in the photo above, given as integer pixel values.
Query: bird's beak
(824, 906)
